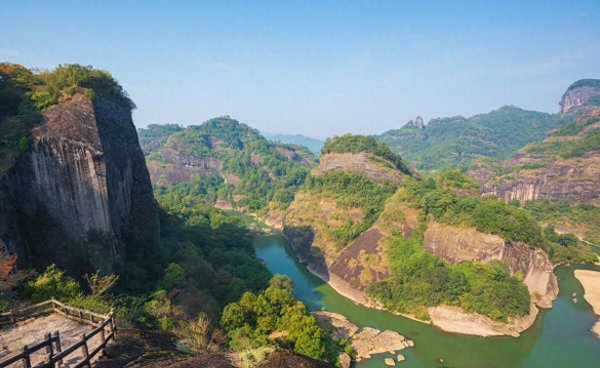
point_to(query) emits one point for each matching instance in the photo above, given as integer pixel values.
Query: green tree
(174, 276)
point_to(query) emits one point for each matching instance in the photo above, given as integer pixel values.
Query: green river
(560, 337)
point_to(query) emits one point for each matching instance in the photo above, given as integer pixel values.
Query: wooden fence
(104, 324)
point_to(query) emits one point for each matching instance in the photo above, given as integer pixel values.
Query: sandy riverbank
(590, 280)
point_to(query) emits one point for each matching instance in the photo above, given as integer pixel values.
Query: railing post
(113, 324)
(26, 359)
(85, 352)
(102, 341)
(58, 346)
(49, 349)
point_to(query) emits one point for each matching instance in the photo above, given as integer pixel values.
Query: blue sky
(315, 67)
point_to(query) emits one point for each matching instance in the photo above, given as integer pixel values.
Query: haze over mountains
(457, 221)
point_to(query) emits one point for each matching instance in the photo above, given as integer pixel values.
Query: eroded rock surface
(459, 244)
(577, 98)
(571, 179)
(550, 170)
(80, 190)
(365, 342)
(361, 163)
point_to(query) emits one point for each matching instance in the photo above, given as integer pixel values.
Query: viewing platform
(53, 334)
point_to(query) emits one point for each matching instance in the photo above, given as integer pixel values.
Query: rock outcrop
(551, 169)
(576, 179)
(363, 261)
(361, 163)
(367, 341)
(179, 167)
(580, 96)
(457, 244)
(418, 122)
(80, 191)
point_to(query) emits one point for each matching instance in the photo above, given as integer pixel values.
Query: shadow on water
(560, 337)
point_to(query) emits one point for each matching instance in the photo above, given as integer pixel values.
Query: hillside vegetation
(335, 206)
(574, 139)
(419, 280)
(456, 141)
(227, 160)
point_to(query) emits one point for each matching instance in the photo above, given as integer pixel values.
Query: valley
(442, 234)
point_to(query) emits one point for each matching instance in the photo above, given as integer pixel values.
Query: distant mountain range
(457, 141)
(312, 144)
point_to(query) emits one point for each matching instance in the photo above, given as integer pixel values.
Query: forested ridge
(456, 141)
(254, 173)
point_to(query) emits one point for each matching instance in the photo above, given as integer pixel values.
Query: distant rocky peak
(580, 96)
(419, 122)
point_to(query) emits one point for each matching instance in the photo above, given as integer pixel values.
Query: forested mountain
(314, 145)
(456, 141)
(226, 161)
(557, 178)
(381, 234)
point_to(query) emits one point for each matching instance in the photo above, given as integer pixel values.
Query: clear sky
(315, 67)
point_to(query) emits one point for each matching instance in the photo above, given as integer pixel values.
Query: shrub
(199, 336)
(53, 283)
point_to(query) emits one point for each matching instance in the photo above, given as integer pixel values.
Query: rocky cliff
(80, 196)
(566, 165)
(370, 166)
(580, 97)
(460, 244)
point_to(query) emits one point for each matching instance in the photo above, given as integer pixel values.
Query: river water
(559, 338)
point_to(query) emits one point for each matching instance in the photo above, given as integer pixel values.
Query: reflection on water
(560, 337)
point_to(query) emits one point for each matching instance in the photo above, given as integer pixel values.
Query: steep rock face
(459, 244)
(575, 179)
(181, 167)
(565, 165)
(580, 96)
(455, 245)
(361, 163)
(80, 191)
(363, 261)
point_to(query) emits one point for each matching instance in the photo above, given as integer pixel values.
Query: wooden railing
(104, 324)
